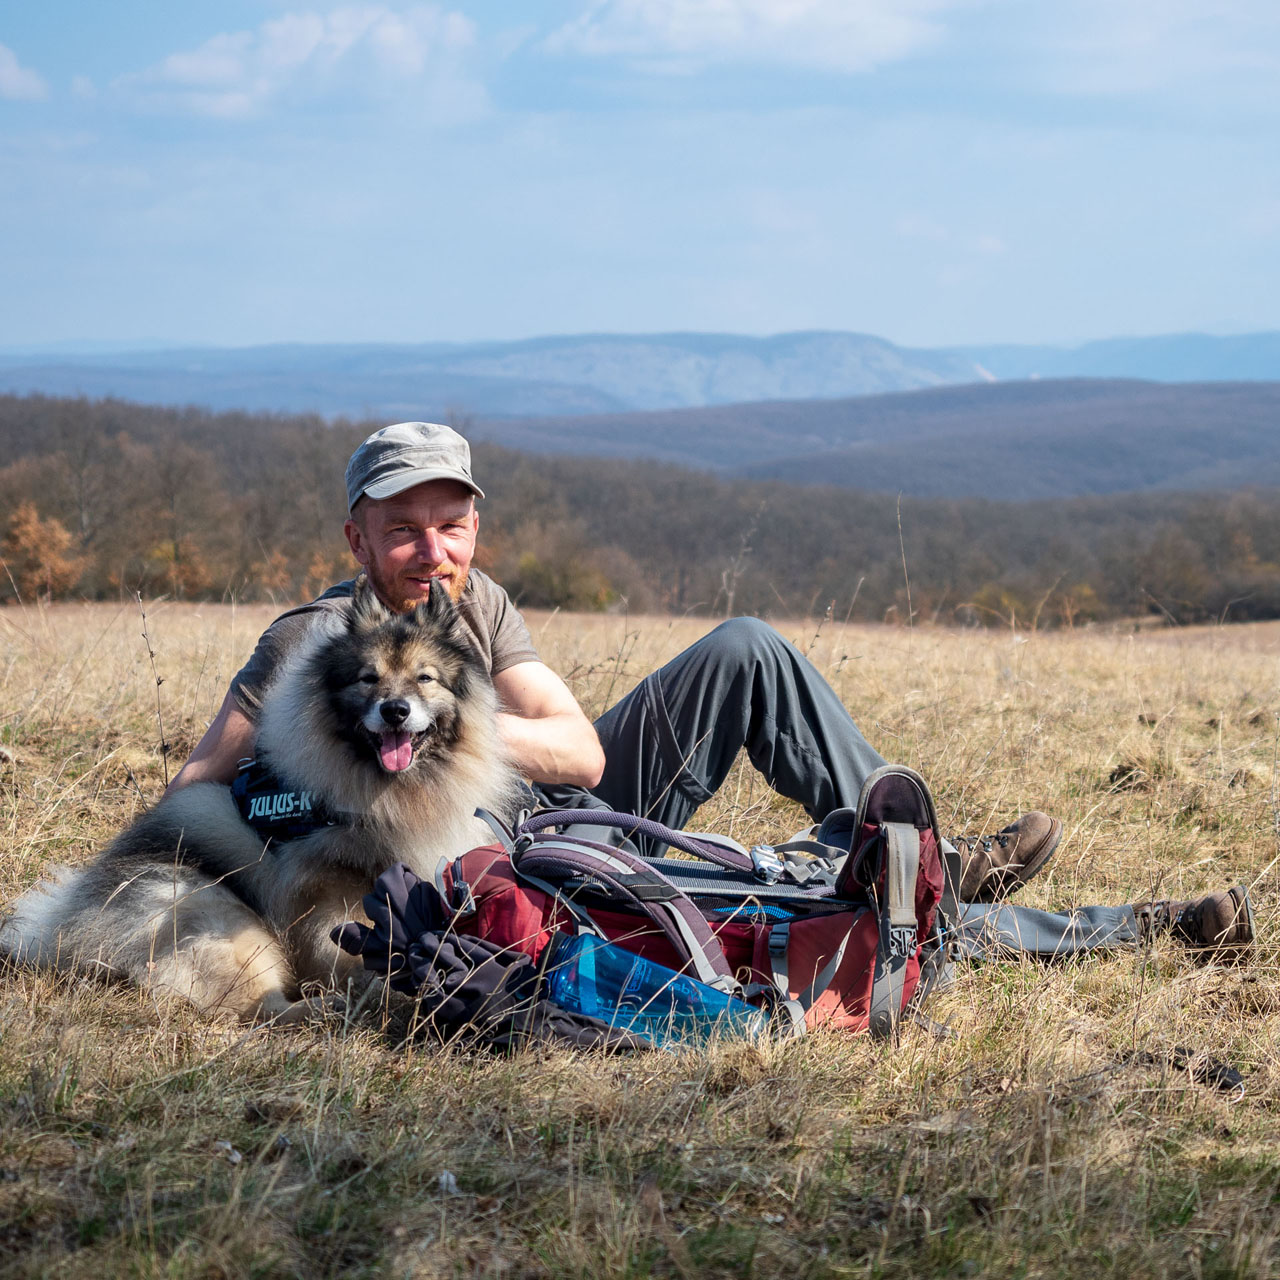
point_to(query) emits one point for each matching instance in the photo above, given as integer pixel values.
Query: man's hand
(545, 730)
(227, 741)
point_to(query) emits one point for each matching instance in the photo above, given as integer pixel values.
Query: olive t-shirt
(492, 623)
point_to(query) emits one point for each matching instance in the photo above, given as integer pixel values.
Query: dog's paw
(279, 1011)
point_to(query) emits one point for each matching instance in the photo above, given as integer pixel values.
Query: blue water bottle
(586, 974)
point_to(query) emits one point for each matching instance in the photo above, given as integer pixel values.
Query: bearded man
(666, 747)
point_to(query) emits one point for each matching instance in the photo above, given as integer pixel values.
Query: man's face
(404, 542)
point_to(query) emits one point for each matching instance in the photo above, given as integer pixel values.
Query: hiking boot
(995, 866)
(1221, 920)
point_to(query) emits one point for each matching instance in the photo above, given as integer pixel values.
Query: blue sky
(934, 171)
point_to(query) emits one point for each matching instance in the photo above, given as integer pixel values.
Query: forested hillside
(1016, 440)
(102, 498)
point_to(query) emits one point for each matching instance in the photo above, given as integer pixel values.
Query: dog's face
(396, 683)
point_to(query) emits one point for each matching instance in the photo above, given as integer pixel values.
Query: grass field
(1056, 1136)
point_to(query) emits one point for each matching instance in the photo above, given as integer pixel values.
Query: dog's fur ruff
(188, 902)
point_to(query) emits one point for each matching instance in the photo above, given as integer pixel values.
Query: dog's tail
(36, 929)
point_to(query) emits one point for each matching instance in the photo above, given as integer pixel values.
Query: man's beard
(392, 594)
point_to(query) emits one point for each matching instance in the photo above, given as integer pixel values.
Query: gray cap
(408, 453)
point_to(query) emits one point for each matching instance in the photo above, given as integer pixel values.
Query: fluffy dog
(386, 725)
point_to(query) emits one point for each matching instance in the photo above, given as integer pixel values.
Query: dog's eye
(424, 678)
(369, 677)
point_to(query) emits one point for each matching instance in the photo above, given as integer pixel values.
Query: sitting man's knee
(743, 641)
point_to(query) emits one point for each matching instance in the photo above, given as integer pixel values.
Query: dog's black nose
(395, 711)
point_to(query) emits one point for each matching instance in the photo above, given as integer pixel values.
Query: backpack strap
(499, 828)
(718, 849)
(952, 870)
(797, 1007)
(811, 847)
(898, 926)
(936, 971)
(802, 862)
(554, 858)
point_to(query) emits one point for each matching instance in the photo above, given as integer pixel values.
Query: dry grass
(1053, 1137)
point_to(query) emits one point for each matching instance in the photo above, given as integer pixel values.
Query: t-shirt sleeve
(275, 645)
(512, 642)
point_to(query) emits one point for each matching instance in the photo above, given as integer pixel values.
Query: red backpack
(829, 929)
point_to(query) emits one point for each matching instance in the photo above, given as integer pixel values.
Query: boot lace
(984, 844)
(1158, 916)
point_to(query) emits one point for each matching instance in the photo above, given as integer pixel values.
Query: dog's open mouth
(396, 748)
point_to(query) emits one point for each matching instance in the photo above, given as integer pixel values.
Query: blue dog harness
(276, 811)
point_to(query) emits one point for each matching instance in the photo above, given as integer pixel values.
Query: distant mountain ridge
(602, 373)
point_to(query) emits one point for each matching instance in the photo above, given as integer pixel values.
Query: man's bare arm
(227, 741)
(546, 731)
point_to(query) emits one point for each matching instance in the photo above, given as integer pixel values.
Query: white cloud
(682, 35)
(354, 48)
(19, 83)
(1136, 46)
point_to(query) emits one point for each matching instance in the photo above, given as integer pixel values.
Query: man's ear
(356, 541)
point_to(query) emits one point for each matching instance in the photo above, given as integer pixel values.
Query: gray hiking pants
(670, 743)
(992, 932)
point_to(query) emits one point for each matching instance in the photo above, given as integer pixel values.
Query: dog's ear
(437, 607)
(366, 609)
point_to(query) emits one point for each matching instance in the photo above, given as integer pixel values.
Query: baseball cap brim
(402, 480)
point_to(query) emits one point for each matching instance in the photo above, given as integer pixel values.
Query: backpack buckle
(902, 940)
(462, 900)
(766, 866)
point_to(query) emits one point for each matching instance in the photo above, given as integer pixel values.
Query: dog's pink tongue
(396, 750)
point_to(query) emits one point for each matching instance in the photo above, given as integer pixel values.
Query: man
(666, 747)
